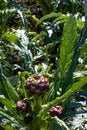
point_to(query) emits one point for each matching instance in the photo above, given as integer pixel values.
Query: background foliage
(48, 38)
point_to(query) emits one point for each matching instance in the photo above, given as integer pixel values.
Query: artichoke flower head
(37, 85)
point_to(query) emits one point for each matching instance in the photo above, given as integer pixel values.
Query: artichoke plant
(34, 99)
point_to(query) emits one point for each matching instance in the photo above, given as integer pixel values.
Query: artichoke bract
(37, 85)
(57, 111)
(23, 106)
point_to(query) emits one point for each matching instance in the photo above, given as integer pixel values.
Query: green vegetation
(43, 64)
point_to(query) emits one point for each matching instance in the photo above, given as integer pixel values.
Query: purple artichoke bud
(36, 85)
(57, 111)
(23, 106)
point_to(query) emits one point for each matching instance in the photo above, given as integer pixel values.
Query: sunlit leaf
(67, 46)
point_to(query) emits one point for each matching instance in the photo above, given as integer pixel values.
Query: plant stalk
(56, 101)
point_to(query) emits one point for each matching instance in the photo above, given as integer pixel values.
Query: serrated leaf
(77, 111)
(51, 15)
(61, 17)
(7, 90)
(79, 74)
(6, 119)
(57, 124)
(79, 43)
(67, 46)
(7, 103)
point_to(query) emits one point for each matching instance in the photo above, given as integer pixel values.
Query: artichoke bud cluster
(23, 106)
(37, 85)
(57, 111)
